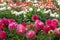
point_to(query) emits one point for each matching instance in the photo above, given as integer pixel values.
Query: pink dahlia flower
(5, 21)
(38, 24)
(12, 26)
(11, 20)
(1, 22)
(46, 29)
(52, 26)
(2, 34)
(57, 31)
(1, 27)
(48, 21)
(55, 21)
(34, 17)
(24, 24)
(21, 29)
(30, 34)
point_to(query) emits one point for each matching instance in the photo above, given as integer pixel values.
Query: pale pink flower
(57, 31)
(38, 24)
(21, 29)
(12, 26)
(30, 34)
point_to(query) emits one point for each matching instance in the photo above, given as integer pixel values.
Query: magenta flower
(11, 20)
(5, 21)
(21, 29)
(52, 26)
(30, 34)
(55, 21)
(2, 34)
(24, 24)
(1, 27)
(46, 29)
(12, 26)
(34, 17)
(1, 22)
(48, 21)
(38, 24)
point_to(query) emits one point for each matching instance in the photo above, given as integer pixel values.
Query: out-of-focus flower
(30, 34)
(35, 5)
(4, 8)
(35, 1)
(52, 15)
(51, 32)
(57, 31)
(8, 7)
(46, 29)
(52, 26)
(1, 27)
(1, 22)
(11, 20)
(30, 9)
(2, 34)
(54, 21)
(34, 17)
(58, 1)
(50, 5)
(39, 25)
(38, 10)
(3, 4)
(48, 21)
(21, 29)
(5, 21)
(26, 3)
(42, 6)
(24, 24)
(57, 16)
(47, 11)
(12, 26)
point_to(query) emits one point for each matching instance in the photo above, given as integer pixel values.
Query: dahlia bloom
(21, 29)
(55, 21)
(52, 23)
(24, 24)
(30, 34)
(11, 20)
(50, 5)
(52, 26)
(46, 29)
(5, 21)
(12, 26)
(38, 24)
(1, 27)
(57, 31)
(34, 17)
(48, 21)
(1, 22)
(2, 34)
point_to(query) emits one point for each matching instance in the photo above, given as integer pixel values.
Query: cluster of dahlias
(51, 25)
(30, 30)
